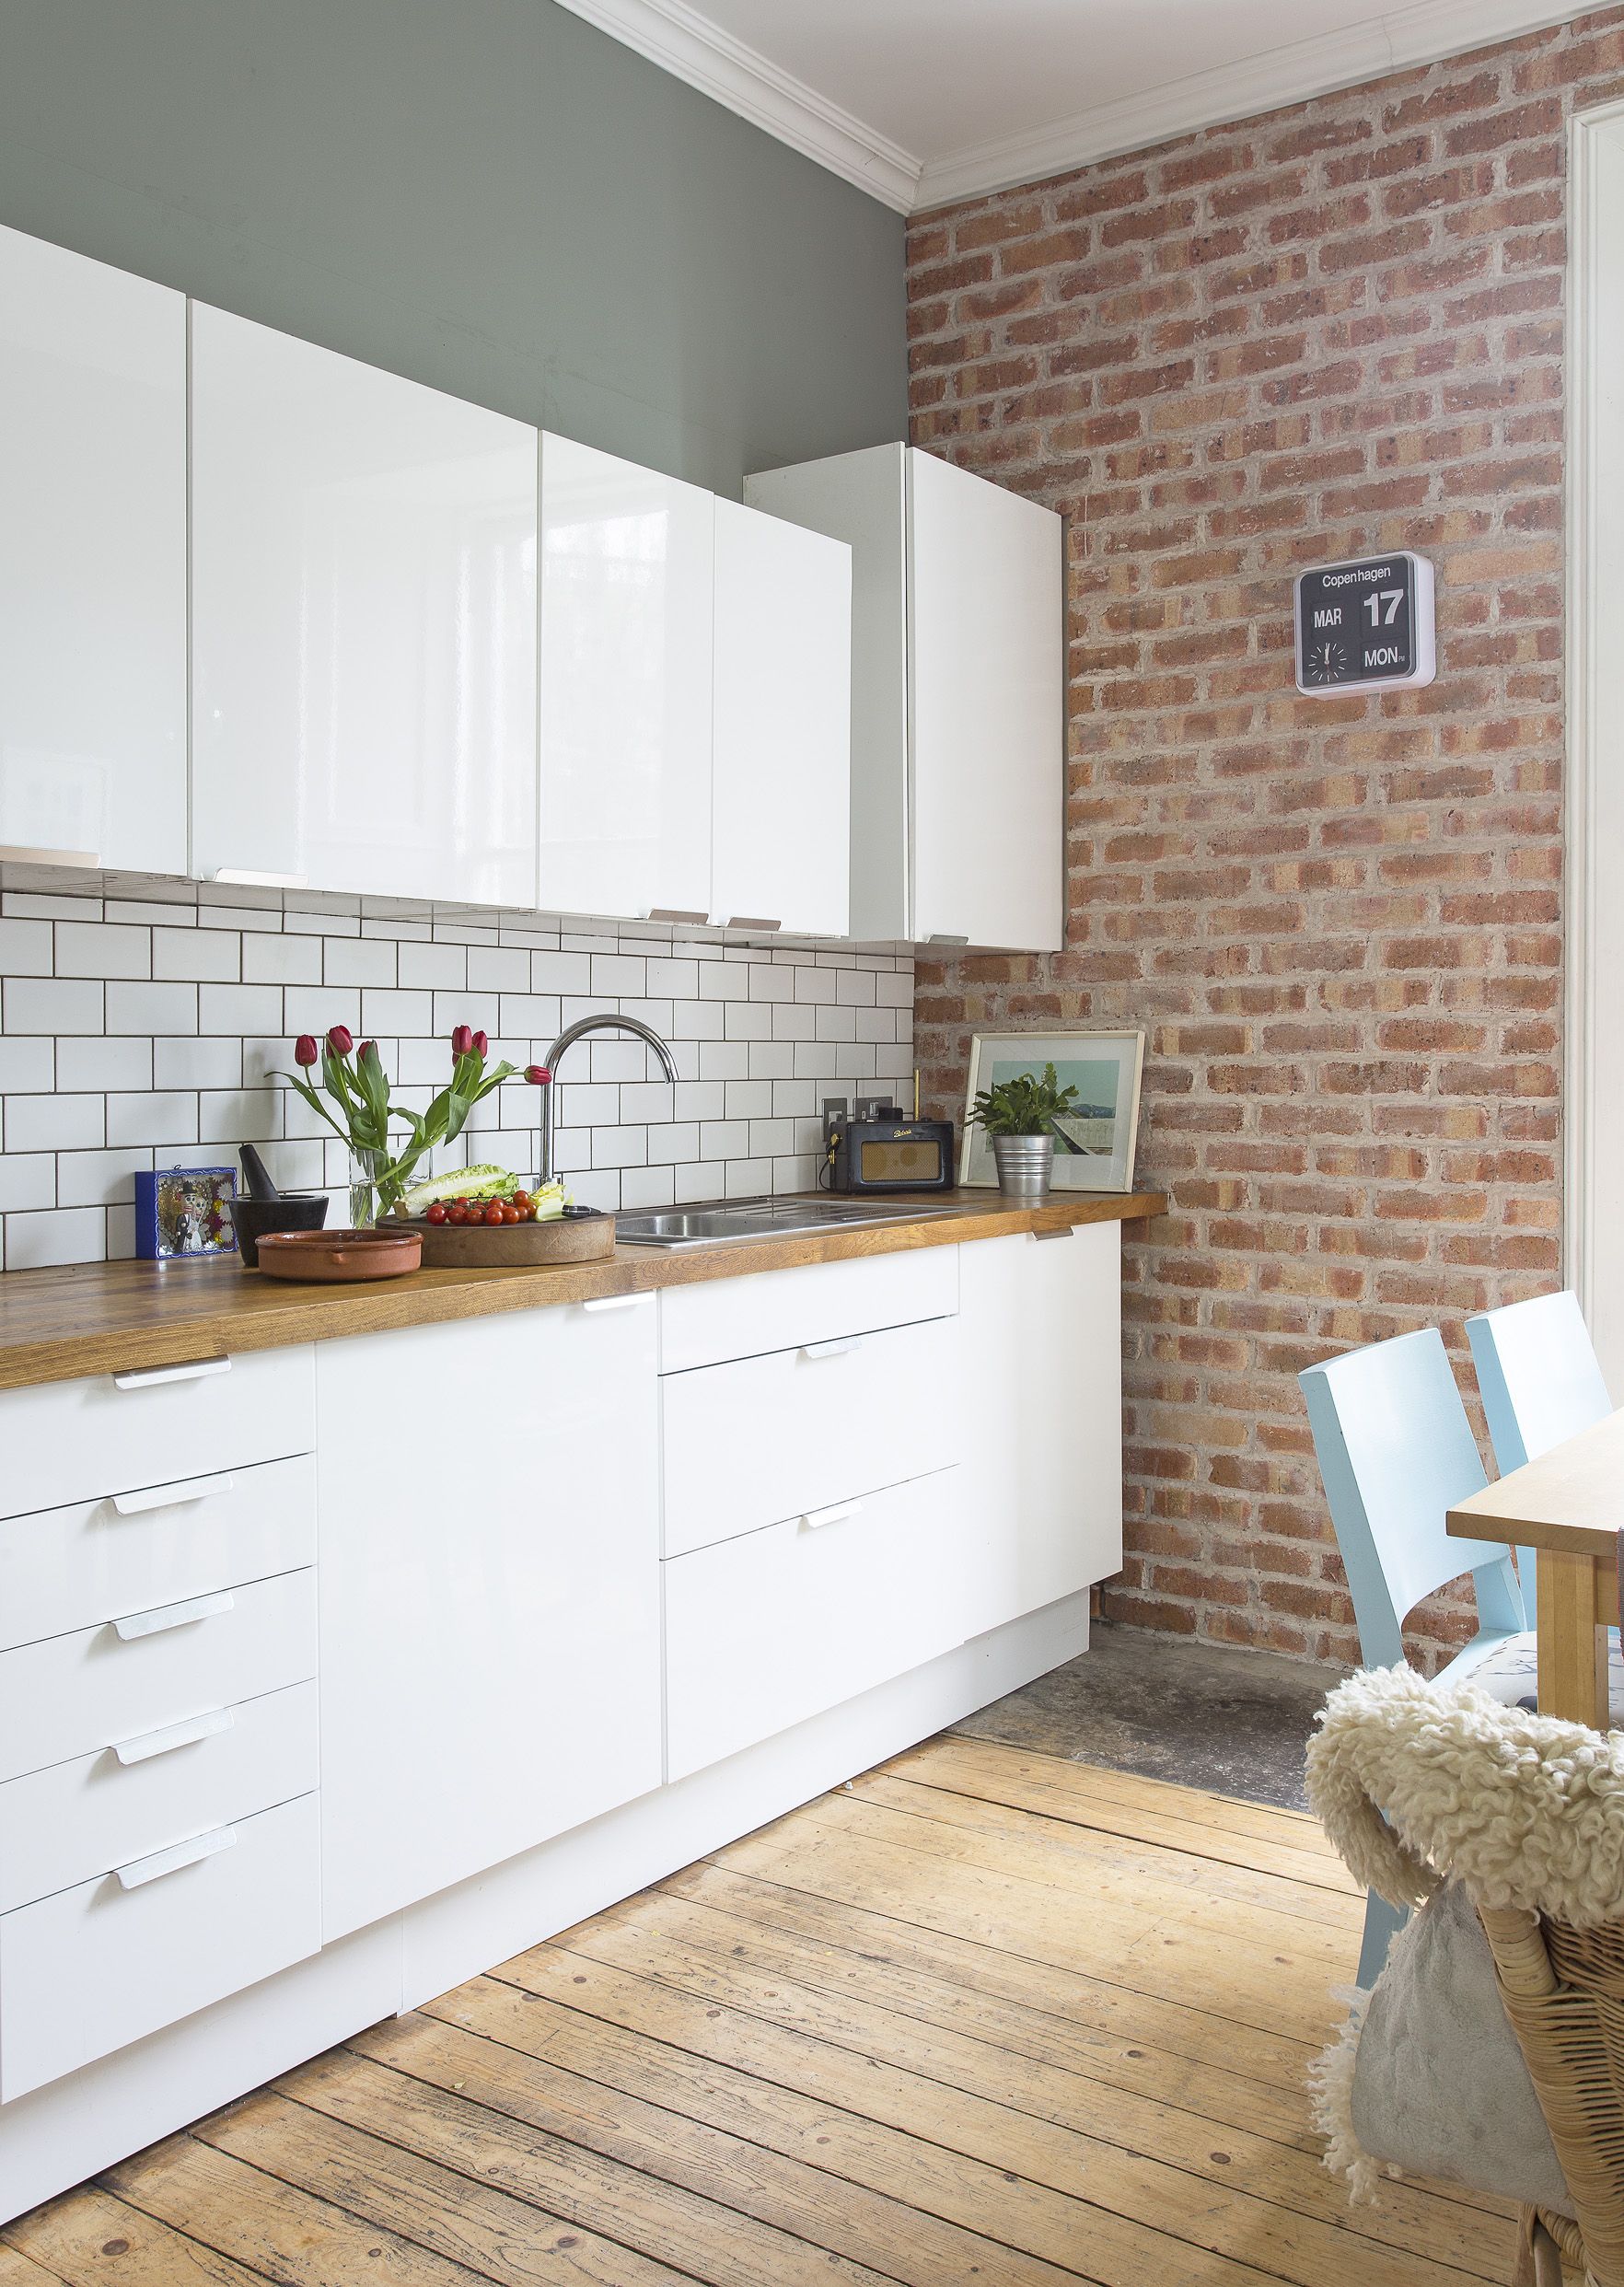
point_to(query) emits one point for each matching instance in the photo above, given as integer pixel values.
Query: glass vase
(367, 1170)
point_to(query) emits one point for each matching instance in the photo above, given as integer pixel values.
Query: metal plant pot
(1025, 1164)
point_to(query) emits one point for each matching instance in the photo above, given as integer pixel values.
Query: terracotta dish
(335, 1258)
(579, 1237)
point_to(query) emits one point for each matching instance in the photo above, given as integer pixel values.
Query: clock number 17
(1392, 598)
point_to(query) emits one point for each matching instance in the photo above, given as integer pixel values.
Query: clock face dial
(1364, 624)
(1326, 663)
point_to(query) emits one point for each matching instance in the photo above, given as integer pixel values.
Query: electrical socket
(836, 1111)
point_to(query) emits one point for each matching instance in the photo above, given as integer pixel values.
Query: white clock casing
(1317, 681)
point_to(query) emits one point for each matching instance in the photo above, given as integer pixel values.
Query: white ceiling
(920, 101)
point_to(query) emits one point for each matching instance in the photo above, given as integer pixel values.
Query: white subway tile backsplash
(25, 948)
(27, 1067)
(36, 1242)
(160, 1116)
(199, 1062)
(149, 1008)
(281, 959)
(560, 972)
(358, 961)
(53, 1005)
(96, 1064)
(102, 949)
(214, 954)
(498, 968)
(144, 1031)
(648, 1187)
(26, 1180)
(98, 1178)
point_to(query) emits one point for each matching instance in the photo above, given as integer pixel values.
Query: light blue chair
(1396, 1453)
(1541, 1383)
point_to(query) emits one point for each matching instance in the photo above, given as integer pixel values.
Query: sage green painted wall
(488, 195)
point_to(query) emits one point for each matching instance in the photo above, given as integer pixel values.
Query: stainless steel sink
(762, 1218)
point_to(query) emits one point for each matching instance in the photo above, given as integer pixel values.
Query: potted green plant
(1018, 1116)
(354, 1100)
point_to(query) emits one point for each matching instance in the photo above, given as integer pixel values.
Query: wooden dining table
(1568, 1505)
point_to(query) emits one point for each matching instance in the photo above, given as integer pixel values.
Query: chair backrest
(1540, 1383)
(1396, 1453)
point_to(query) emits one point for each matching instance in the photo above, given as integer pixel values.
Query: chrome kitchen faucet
(566, 1039)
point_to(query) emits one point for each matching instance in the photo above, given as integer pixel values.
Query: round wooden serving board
(511, 1245)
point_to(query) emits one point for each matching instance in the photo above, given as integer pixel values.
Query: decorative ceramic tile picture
(1093, 1137)
(185, 1213)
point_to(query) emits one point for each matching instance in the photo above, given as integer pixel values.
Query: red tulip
(537, 1075)
(481, 1044)
(461, 1041)
(305, 1050)
(340, 1040)
(368, 1048)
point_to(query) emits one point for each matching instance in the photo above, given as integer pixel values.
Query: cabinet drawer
(759, 1439)
(94, 1967)
(75, 1821)
(75, 1441)
(63, 1569)
(76, 1695)
(813, 1302)
(764, 1631)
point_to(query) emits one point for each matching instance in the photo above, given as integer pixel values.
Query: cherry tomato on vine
(436, 1213)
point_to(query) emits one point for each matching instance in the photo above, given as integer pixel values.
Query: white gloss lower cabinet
(783, 748)
(627, 573)
(766, 1630)
(92, 562)
(88, 1969)
(490, 1621)
(364, 626)
(1042, 1396)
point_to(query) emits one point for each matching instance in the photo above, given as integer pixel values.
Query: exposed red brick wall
(1326, 332)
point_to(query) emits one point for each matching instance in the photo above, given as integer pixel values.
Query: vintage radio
(890, 1153)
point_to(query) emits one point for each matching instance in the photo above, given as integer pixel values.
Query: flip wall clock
(1365, 622)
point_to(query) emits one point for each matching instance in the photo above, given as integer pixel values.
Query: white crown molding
(1427, 33)
(687, 44)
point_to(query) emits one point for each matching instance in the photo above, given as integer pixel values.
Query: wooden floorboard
(983, 2018)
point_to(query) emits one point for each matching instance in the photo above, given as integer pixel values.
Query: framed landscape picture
(1094, 1139)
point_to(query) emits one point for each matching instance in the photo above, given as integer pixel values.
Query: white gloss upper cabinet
(627, 572)
(488, 1507)
(364, 626)
(92, 561)
(782, 744)
(958, 695)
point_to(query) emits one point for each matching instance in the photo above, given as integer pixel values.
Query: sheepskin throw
(1413, 1780)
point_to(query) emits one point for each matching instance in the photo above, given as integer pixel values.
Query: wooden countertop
(107, 1318)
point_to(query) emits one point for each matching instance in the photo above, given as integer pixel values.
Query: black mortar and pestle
(262, 1209)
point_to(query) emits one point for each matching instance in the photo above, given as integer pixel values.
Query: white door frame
(1594, 793)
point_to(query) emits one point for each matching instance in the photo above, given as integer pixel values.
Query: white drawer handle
(194, 1371)
(616, 1302)
(250, 878)
(202, 1846)
(151, 1743)
(837, 1514)
(171, 1496)
(173, 1616)
(837, 1348)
